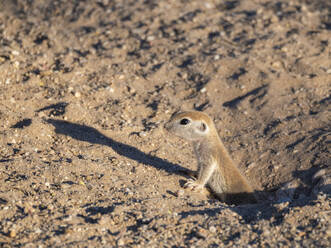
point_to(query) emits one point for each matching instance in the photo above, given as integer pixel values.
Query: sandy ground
(86, 86)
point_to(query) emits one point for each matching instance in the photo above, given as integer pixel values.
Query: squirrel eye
(184, 121)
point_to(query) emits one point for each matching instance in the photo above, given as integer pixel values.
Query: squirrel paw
(193, 185)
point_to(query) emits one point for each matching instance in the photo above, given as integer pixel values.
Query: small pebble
(16, 64)
(180, 192)
(251, 165)
(150, 38)
(14, 52)
(120, 242)
(142, 134)
(212, 229)
(208, 5)
(276, 64)
(12, 233)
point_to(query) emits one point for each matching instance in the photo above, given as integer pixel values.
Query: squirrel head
(192, 126)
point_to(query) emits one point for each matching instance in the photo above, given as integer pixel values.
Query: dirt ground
(86, 86)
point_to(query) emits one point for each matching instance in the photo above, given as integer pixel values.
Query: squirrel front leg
(204, 174)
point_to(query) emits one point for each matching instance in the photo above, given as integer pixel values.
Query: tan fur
(215, 166)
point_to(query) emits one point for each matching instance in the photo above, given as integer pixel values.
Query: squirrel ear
(202, 127)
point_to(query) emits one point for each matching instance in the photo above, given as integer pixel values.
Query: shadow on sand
(91, 135)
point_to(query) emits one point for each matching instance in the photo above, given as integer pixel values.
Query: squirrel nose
(166, 126)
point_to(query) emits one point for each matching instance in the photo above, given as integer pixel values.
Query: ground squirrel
(215, 166)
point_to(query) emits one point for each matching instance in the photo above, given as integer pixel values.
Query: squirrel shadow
(91, 135)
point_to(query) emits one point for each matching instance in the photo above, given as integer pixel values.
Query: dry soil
(86, 86)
